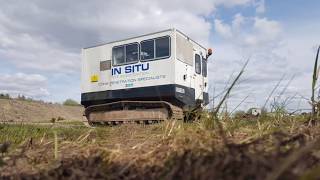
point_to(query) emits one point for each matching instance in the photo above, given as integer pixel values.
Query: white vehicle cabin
(162, 66)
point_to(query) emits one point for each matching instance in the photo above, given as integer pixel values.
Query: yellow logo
(94, 78)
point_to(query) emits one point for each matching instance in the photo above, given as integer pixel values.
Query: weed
(168, 150)
(60, 118)
(53, 120)
(314, 82)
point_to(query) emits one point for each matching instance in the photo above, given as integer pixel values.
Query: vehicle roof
(101, 44)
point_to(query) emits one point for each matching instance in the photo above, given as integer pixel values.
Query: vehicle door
(197, 77)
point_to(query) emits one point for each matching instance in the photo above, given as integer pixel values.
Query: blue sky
(40, 41)
(289, 51)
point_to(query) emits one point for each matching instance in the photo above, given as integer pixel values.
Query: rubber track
(176, 113)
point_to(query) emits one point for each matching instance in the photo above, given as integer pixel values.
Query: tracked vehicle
(149, 78)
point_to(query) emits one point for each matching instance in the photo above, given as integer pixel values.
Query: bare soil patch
(31, 111)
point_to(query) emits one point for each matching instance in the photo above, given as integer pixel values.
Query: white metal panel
(193, 80)
(184, 49)
(160, 72)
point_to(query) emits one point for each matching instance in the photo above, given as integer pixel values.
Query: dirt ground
(269, 148)
(31, 111)
(167, 151)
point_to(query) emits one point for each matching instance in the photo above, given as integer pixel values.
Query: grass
(17, 134)
(164, 151)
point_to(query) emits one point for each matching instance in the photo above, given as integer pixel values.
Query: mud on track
(148, 152)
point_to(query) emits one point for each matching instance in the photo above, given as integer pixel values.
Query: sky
(41, 41)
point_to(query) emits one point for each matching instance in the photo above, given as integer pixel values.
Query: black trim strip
(205, 98)
(183, 97)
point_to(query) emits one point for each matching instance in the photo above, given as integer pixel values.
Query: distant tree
(21, 97)
(30, 99)
(264, 112)
(5, 96)
(239, 114)
(70, 102)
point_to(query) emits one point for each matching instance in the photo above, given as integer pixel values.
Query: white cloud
(251, 33)
(223, 29)
(45, 37)
(260, 6)
(29, 52)
(254, 38)
(231, 3)
(30, 85)
(238, 21)
(265, 31)
(273, 53)
(35, 33)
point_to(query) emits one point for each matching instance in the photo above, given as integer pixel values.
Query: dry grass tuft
(173, 150)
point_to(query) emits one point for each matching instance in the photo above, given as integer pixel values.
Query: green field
(263, 148)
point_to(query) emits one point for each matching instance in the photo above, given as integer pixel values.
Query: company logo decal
(130, 69)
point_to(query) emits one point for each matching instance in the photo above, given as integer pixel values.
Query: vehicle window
(197, 64)
(147, 50)
(118, 55)
(162, 47)
(132, 52)
(204, 67)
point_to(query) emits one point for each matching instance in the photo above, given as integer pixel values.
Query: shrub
(60, 118)
(5, 96)
(239, 114)
(70, 102)
(21, 97)
(53, 120)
